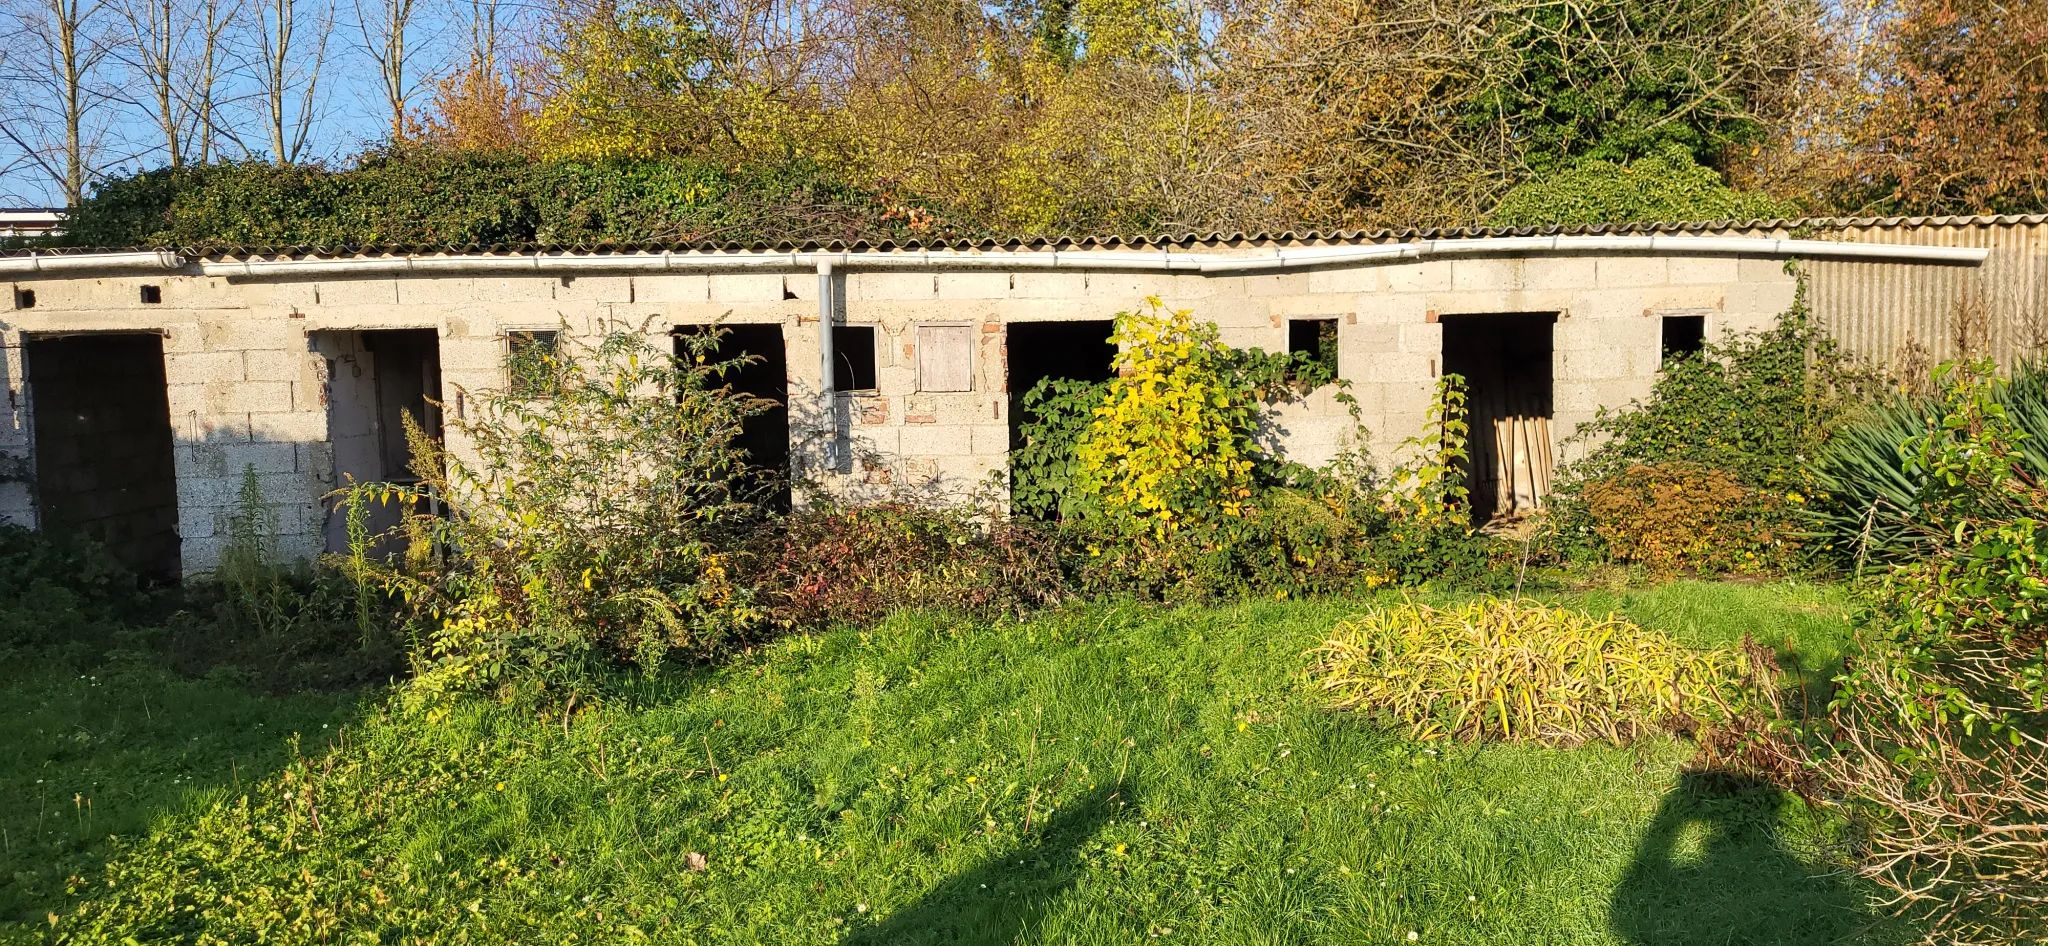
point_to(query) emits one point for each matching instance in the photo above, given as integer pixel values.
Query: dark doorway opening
(103, 442)
(1505, 360)
(375, 380)
(1035, 352)
(764, 375)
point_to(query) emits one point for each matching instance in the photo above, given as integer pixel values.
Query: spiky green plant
(1867, 500)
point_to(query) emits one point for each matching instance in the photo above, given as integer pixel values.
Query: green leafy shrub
(63, 594)
(1673, 516)
(1867, 486)
(1757, 406)
(1042, 470)
(601, 521)
(1938, 737)
(432, 196)
(1667, 186)
(1521, 671)
(828, 565)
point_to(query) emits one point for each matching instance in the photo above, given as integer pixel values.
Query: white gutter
(75, 262)
(1169, 261)
(1140, 261)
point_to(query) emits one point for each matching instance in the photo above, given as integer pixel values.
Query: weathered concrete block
(1545, 273)
(675, 287)
(1596, 363)
(606, 288)
(253, 333)
(879, 286)
(227, 397)
(991, 440)
(1492, 274)
(1352, 278)
(291, 427)
(937, 440)
(274, 365)
(746, 287)
(1705, 269)
(204, 367)
(1042, 285)
(1625, 271)
(1129, 289)
(436, 290)
(1424, 276)
(535, 288)
(973, 285)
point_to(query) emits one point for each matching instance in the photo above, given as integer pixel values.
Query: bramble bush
(1937, 739)
(830, 565)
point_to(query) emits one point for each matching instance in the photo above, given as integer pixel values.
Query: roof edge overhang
(1221, 260)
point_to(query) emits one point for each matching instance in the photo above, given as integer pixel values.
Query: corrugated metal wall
(1885, 311)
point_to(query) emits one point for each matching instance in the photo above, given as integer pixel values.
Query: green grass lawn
(1110, 774)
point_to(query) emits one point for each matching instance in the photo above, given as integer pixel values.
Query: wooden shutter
(945, 358)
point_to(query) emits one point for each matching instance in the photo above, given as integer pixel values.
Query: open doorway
(764, 375)
(1037, 351)
(103, 445)
(1505, 359)
(375, 380)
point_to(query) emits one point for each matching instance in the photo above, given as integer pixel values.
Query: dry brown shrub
(1684, 516)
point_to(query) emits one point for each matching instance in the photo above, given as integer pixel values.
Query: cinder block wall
(246, 388)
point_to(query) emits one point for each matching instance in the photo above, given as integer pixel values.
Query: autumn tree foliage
(1960, 118)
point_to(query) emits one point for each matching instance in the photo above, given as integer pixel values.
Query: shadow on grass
(103, 751)
(1003, 900)
(1712, 869)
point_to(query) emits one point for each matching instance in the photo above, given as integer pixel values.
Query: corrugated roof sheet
(1217, 240)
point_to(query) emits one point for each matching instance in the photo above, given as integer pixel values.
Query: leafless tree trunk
(384, 27)
(53, 94)
(289, 63)
(160, 33)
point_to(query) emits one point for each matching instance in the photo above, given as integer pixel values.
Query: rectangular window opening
(24, 298)
(1684, 335)
(1316, 338)
(152, 295)
(530, 361)
(853, 358)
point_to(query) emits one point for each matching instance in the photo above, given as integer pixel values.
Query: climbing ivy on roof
(424, 196)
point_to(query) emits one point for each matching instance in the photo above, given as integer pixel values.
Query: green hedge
(441, 197)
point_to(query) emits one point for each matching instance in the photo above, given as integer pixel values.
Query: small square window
(1316, 338)
(531, 362)
(152, 295)
(853, 358)
(24, 298)
(1684, 335)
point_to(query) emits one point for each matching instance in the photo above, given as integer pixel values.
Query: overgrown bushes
(1938, 737)
(1755, 408)
(602, 520)
(1868, 490)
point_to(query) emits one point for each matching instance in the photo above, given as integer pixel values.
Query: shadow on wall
(1712, 868)
(1003, 900)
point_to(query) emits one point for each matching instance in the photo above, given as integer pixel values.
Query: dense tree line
(742, 119)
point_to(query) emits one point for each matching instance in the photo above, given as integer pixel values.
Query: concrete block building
(144, 387)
